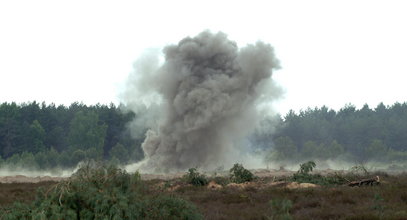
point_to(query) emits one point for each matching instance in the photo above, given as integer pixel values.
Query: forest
(350, 134)
(40, 136)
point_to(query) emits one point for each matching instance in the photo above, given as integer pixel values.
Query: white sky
(331, 52)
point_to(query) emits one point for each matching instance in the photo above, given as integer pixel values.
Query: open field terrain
(272, 195)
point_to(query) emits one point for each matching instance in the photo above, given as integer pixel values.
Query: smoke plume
(209, 90)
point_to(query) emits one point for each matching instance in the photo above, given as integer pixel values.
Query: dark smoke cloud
(209, 90)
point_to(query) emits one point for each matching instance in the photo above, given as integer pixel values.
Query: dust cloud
(201, 102)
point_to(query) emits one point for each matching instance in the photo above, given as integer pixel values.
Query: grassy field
(264, 198)
(260, 201)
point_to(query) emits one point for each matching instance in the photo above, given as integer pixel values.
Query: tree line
(34, 135)
(351, 134)
(41, 136)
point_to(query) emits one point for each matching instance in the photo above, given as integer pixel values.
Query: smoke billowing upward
(209, 90)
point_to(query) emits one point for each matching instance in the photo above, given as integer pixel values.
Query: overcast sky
(331, 52)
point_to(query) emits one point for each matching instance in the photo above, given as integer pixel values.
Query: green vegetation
(307, 167)
(350, 134)
(238, 174)
(305, 175)
(332, 201)
(40, 136)
(195, 178)
(98, 191)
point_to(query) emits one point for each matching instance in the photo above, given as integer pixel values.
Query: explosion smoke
(209, 90)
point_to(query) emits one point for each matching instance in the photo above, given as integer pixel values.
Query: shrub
(307, 167)
(238, 174)
(98, 191)
(195, 178)
(304, 175)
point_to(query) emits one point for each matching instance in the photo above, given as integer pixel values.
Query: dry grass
(385, 201)
(24, 192)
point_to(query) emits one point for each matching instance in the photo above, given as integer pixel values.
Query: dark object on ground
(371, 182)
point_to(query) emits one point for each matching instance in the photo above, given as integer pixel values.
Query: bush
(195, 178)
(101, 192)
(304, 175)
(238, 174)
(307, 167)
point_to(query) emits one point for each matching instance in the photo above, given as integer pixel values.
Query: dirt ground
(254, 200)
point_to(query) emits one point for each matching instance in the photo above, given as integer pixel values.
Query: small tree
(307, 167)
(303, 174)
(238, 174)
(195, 178)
